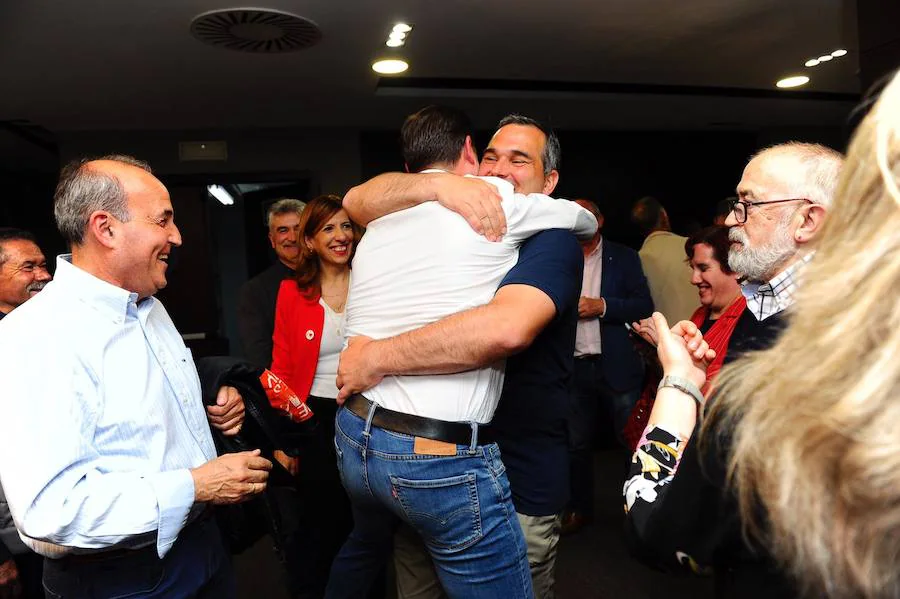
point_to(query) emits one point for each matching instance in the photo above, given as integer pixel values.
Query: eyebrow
(513, 152)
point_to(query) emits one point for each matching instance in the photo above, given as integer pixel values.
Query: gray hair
(820, 168)
(552, 152)
(283, 206)
(83, 190)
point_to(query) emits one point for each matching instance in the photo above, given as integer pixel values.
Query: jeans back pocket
(444, 511)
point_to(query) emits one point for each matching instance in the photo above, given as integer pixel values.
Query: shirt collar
(597, 250)
(111, 301)
(776, 295)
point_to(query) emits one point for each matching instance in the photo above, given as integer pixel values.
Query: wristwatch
(683, 385)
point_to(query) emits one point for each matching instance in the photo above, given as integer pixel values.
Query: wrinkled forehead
(17, 251)
(526, 139)
(767, 175)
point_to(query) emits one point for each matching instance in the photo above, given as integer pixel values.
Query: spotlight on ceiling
(811, 62)
(390, 66)
(795, 81)
(401, 28)
(825, 58)
(839, 53)
(393, 43)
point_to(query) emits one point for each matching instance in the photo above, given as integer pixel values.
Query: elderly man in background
(23, 273)
(783, 200)
(256, 304)
(101, 397)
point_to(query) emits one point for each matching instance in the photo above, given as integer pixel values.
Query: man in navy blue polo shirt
(530, 421)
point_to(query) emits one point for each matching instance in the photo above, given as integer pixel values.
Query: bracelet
(683, 385)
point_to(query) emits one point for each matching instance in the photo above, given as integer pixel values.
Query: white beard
(759, 263)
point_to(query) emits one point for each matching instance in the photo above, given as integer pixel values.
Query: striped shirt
(101, 418)
(767, 299)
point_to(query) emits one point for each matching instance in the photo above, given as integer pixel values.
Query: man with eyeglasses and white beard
(783, 199)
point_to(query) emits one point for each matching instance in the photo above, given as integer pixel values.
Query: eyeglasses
(740, 207)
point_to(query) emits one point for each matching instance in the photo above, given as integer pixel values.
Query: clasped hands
(682, 350)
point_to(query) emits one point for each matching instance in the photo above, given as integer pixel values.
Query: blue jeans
(460, 505)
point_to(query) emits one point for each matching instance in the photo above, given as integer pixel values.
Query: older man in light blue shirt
(105, 450)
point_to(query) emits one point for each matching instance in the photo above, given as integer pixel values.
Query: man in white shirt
(662, 258)
(100, 394)
(440, 477)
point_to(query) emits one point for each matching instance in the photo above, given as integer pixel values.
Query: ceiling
(133, 64)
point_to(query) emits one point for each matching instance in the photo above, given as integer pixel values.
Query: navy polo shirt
(530, 420)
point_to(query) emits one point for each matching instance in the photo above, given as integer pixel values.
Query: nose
(42, 274)
(695, 277)
(731, 220)
(175, 236)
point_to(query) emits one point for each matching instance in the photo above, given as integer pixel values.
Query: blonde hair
(814, 421)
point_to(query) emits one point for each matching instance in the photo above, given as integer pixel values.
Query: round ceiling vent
(260, 30)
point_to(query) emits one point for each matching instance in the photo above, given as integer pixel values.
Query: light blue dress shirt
(101, 418)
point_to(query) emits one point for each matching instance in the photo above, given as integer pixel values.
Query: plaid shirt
(767, 299)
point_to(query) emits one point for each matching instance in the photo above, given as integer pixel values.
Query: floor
(592, 564)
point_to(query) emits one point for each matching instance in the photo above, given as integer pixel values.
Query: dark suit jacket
(624, 287)
(256, 313)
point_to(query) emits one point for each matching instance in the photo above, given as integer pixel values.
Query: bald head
(86, 186)
(800, 170)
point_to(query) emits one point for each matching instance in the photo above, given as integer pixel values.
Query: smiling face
(717, 289)
(284, 233)
(333, 243)
(23, 273)
(143, 243)
(515, 155)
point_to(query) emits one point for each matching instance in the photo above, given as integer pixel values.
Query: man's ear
(550, 181)
(405, 168)
(813, 217)
(469, 154)
(102, 227)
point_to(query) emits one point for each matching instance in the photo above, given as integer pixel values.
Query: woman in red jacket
(308, 338)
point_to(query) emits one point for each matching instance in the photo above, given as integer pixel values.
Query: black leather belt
(459, 433)
(145, 551)
(589, 357)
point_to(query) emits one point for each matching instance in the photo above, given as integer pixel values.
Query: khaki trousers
(415, 573)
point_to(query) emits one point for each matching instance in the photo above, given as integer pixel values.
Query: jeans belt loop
(368, 430)
(474, 442)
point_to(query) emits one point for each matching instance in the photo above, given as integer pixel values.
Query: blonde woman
(817, 416)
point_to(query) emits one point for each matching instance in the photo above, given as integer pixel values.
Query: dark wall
(687, 171)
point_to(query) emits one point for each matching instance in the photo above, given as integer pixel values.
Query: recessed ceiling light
(825, 58)
(811, 62)
(389, 67)
(401, 28)
(795, 81)
(839, 53)
(394, 43)
(397, 35)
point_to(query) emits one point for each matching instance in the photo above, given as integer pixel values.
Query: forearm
(460, 342)
(387, 193)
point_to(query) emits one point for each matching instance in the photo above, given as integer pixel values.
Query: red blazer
(297, 337)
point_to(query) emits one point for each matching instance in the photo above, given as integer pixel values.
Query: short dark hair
(434, 136)
(13, 234)
(552, 155)
(647, 214)
(715, 237)
(82, 190)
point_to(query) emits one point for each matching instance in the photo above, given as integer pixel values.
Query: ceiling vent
(258, 30)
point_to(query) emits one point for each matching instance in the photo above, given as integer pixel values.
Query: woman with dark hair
(721, 304)
(308, 338)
